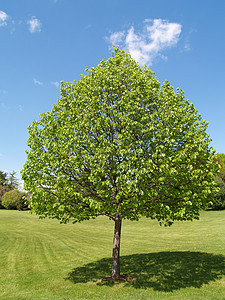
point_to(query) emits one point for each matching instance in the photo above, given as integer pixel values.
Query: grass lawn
(42, 259)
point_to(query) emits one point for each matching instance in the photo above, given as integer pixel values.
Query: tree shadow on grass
(162, 271)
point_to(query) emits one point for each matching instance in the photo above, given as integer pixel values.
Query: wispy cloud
(144, 46)
(187, 43)
(37, 82)
(55, 83)
(117, 37)
(88, 26)
(187, 46)
(1, 155)
(34, 25)
(3, 18)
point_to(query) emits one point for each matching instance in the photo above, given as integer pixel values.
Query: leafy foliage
(13, 181)
(3, 190)
(118, 144)
(221, 160)
(7, 183)
(3, 179)
(14, 199)
(218, 201)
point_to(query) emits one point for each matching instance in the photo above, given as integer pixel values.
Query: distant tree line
(10, 196)
(219, 199)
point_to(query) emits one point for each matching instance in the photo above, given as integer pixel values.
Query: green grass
(42, 259)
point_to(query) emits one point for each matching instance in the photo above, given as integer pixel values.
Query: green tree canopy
(13, 180)
(218, 201)
(3, 179)
(7, 183)
(14, 199)
(221, 159)
(118, 144)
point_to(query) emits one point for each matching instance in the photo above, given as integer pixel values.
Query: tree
(4, 187)
(218, 201)
(221, 160)
(13, 181)
(3, 190)
(14, 199)
(3, 179)
(118, 144)
(7, 183)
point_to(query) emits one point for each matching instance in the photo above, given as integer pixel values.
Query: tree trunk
(116, 249)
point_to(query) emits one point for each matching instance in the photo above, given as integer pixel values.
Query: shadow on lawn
(163, 271)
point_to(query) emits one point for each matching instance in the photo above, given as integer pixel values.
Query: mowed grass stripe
(42, 259)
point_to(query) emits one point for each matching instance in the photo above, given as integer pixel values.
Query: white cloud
(3, 18)
(1, 155)
(34, 25)
(55, 83)
(116, 37)
(145, 46)
(37, 82)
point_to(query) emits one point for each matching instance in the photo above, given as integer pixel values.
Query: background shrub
(219, 198)
(14, 200)
(1, 206)
(3, 190)
(21, 203)
(8, 182)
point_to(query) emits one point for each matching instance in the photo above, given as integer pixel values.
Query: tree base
(121, 278)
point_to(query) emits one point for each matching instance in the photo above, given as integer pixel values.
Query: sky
(44, 42)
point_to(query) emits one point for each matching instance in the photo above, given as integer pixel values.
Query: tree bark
(116, 249)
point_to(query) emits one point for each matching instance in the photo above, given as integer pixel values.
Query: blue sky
(45, 41)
